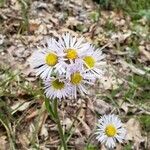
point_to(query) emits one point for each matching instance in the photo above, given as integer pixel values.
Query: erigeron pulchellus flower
(92, 58)
(110, 130)
(68, 57)
(72, 46)
(48, 59)
(57, 88)
(78, 78)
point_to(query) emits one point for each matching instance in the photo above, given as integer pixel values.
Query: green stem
(62, 136)
(49, 108)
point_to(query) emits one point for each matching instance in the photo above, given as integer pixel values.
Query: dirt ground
(123, 90)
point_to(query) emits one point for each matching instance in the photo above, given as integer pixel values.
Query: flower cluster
(110, 130)
(67, 65)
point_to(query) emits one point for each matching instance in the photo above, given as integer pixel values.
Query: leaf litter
(124, 57)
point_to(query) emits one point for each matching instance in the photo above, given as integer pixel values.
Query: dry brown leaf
(148, 47)
(67, 123)
(32, 130)
(23, 139)
(124, 105)
(3, 143)
(85, 128)
(33, 27)
(1, 39)
(110, 81)
(134, 132)
(32, 114)
(20, 106)
(43, 116)
(119, 147)
(72, 21)
(103, 147)
(133, 68)
(121, 36)
(42, 29)
(101, 107)
(90, 117)
(144, 52)
(38, 5)
(15, 5)
(44, 132)
(79, 143)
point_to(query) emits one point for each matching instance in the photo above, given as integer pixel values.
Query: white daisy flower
(48, 60)
(92, 59)
(110, 129)
(78, 78)
(72, 46)
(57, 88)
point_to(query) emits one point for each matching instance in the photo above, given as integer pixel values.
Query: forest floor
(124, 90)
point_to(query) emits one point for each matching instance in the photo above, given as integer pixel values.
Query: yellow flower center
(51, 59)
(110, 130)
(90, 61)
(58, 85)
(71, 54)
(76, 78)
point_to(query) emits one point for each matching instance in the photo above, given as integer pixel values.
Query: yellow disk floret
(58, 85)
(90, 61)
(51, 59)
(76, 78)
(110, 130)
(71, 54)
